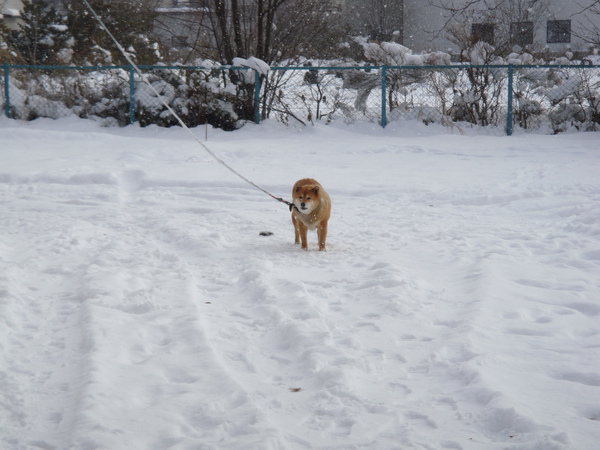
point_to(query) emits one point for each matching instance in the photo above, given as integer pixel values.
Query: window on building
(189, 3)
(558, 31)
(521, 33)
(483, 32)
(179, 41)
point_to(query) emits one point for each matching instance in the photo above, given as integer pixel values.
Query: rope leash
(175, 115)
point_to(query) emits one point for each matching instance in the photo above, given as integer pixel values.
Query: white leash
(173, 113)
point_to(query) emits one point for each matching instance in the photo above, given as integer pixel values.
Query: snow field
(457, 306)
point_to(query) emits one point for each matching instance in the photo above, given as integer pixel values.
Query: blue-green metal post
(383, 97)
(256, 97)
(131, 95)
(6, 92)
(509, 118)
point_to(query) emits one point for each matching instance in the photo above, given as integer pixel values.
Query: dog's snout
(303, 205)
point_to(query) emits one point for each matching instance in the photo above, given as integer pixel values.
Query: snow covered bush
(310, 95)
(104, 95)
(575, 101)
(197, 96)
(34, 95)
(479, 91)
(57, 93)
(405, 87)
(565, 96)
(528, 105)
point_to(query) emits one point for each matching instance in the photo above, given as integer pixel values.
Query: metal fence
(549, 98)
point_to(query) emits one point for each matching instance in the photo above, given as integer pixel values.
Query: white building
(554, 26)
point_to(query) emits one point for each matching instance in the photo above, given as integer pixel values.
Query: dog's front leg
(296, 230)
(322, 236)
(303, 235)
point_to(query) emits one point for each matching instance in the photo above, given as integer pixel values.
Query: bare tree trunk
(260, 17)
(223, 41)
(270, 21)
(237, 29)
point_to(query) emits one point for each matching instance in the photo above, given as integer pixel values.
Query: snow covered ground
(458, 306)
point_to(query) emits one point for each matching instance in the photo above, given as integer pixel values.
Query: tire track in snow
(41, 335)
(120, 341)
(281, 333)
(491, 254)
(149, 359)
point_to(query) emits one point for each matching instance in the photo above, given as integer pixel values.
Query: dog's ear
(316, 190)
(297, 188)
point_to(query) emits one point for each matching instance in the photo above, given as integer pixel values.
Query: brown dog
(312, 207)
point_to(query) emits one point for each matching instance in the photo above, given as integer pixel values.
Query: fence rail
(551, 98)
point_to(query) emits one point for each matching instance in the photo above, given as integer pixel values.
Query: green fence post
(6, 92)
(131, 95)
(509, 114)
(383, 99)
(256, 97)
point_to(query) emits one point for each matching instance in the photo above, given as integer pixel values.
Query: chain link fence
(118, 96)
(499, 99)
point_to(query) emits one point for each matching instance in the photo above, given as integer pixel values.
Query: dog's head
(306, 198)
